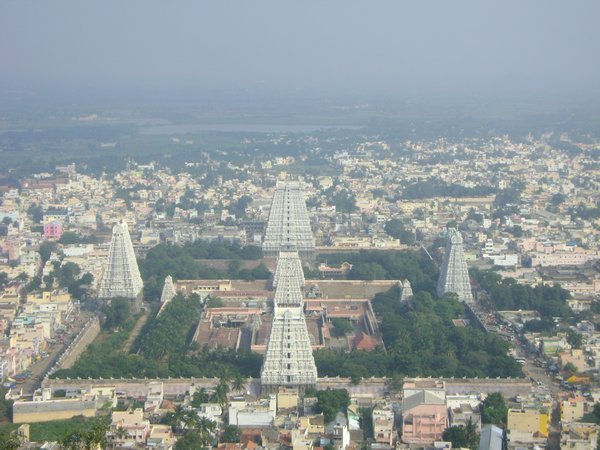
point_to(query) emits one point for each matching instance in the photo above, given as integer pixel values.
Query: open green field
(54, 430)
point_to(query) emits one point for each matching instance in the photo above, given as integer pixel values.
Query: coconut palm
(238, 384)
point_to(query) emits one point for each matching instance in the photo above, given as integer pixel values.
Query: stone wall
(85, 337)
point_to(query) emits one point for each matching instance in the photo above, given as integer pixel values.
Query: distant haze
(346, 47)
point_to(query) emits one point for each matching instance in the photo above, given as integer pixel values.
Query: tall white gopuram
(288, 360)
(168, 293)
(407, 292)
(288, 227)
(454, 275)
(288, 263)
(121, 276)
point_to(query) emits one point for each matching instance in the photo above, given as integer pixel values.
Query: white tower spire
(288, 360)
(454, 275)
(121, 276)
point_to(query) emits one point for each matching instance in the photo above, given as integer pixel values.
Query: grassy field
(54, 430)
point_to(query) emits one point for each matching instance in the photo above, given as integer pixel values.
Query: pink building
(53, 230)
(424, 417)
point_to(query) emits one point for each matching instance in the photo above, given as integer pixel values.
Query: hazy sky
(396, 47)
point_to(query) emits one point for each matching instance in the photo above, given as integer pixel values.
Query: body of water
(241, 128)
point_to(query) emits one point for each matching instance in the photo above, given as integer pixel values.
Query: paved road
(136, 331)
(41, 367)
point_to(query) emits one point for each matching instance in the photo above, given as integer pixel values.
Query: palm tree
(190, 419)
(239, 383)
(9, 441)
(221, 392)
(206, 429)
(177, 417)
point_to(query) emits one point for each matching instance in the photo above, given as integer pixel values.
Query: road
(42, 366)
(136, 331)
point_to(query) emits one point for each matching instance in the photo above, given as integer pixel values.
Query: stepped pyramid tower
(121, 276)
(288, 227)
(168, 293)
(288, 263)
(407, 292)
(454, 275)
(288, 360)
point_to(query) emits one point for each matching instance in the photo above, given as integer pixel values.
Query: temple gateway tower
(288, 227)
(121, 276)
(288, 360)
(454, 275)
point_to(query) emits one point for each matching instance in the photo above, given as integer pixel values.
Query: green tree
(494, 410)
(506, 197)
(574, 338)
(367, 271)
(516, 231)
(68, 274)
(557, 199)
(89, 439)
(239, 207)
(117, 313)
(239, 383)
(343, 326)
(34, 284)
(462, 436)
(332, 401)
(69, 238)
(46, 249)
(9, 440)
(3, 280)
(395, 228)
(221, 393)
(199, 397)
(231, 433)
(214, 302)
(570, 369)
(190, 441)
(343, 200)
(35, 212)
(22, 277)
(594, 416)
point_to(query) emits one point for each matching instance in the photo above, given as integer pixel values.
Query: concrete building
(579, 436)
(527, 425)
(383, 424)
(133, 425)
(424, 415)
(259, 413)
(491, 438)
(53, 230)
(572, 409)
(44, 408)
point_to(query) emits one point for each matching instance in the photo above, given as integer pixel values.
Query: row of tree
(164, 348)
(391, 265)
(434, 187)
(507, 294)
(181, 263)
(167, 333)
(422, 339)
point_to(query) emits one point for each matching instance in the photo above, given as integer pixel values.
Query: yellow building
(287, 398)
(313, 424)
(572, 409)
(528, 421)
